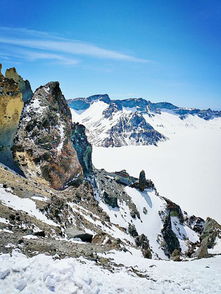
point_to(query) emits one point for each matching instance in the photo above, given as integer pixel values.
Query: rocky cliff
(24, 85)
(11, 105)
(42, 146)
(83, 148)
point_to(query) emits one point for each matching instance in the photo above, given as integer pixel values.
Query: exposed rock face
(132, 230)
(202, 251)
(83, 148)
(110, 200)
(174, 210)
(131, 129)
(210, 235)
(24, 85)
(11, 106)
(42, 146)
(196, 223)
(212, 230)
(169, 236)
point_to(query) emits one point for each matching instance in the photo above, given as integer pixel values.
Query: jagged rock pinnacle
(23, 85)
(42, 146)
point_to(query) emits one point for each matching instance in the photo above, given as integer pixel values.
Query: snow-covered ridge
(115, 123)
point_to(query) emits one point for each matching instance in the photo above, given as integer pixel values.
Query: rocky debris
(142, 242)
(171, 241)
(24, 85)
(108, 184)
(33, 236)
(42, 145)
(83, 148)
(11, 106)
(143, 183)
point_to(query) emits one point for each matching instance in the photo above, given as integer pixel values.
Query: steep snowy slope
(186, 168)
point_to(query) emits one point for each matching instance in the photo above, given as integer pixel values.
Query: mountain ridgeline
(58, 197)
(116, 123)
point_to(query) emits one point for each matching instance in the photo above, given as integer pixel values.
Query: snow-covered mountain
(135, 121)
(68, 227)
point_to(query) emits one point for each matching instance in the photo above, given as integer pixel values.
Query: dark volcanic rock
(42, 146)
(83, 148)
(143, 183)
(169, 236)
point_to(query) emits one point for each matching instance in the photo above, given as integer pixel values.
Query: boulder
(132, 230)
(175, 256)
(42, 145)
(202, 251)
(75, 233)
(110, 200)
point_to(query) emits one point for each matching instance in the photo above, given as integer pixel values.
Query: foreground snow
(42, 274)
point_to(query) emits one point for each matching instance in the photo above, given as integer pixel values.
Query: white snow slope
(186, 168)
(42, 274)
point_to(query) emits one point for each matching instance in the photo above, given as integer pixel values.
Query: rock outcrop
(170, 238)
(211, 233)
(83, 148)
(42, 146)
(24, 85)
(143, 183)
(11, 105)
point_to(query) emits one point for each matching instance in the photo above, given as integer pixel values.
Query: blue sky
(158, 50)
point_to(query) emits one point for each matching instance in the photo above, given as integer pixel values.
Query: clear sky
(160, 50)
